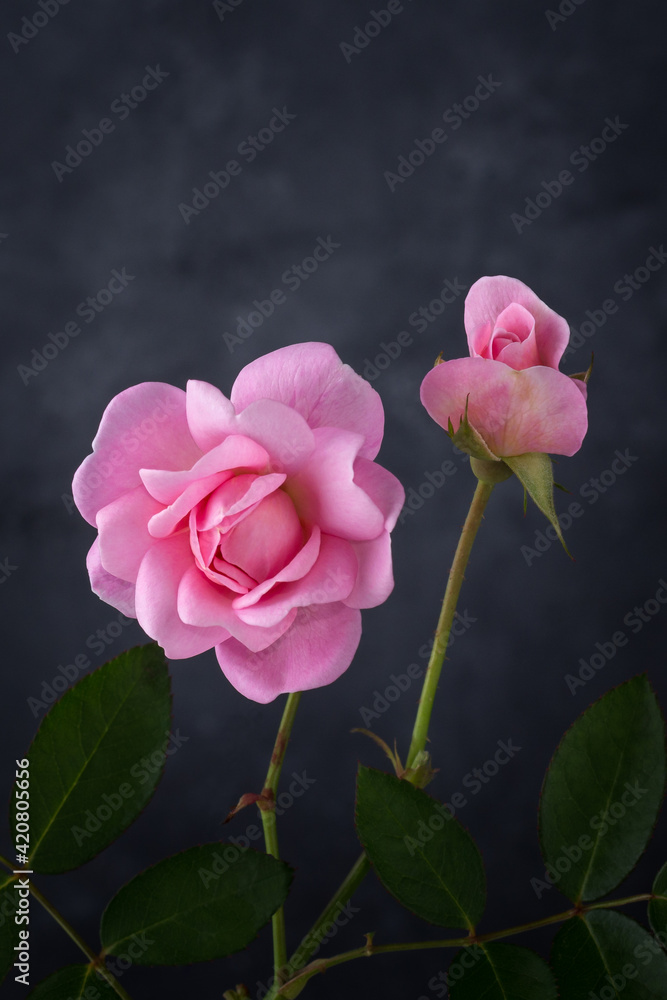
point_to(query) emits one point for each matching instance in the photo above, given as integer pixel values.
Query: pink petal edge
(311, 379)
(315, 651)
(143, 426)
(489, 296)
(537, 409)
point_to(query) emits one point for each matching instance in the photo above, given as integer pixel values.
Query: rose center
(247, 530)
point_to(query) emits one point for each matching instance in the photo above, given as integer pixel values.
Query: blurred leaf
(90, 768)
(657, 908)
(607, 955)
(74, 982)
(500, 972)
(603, 790)
(421, 854)
(204, 903)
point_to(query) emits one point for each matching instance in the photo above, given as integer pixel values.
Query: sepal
(535, 472)
(585, 376)
(468, 439)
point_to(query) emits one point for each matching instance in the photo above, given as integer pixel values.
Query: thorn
(264, 800)
(246, 800)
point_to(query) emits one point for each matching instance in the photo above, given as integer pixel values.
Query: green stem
(456, 575)
(346, 890)
(362, 865)
(268, 814)
(59, 919)
(462, 942)
(642, 897)
(95, 960)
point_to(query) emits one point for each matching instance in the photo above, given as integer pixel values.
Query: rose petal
(315, 651)
(204, 546)
(281, 430)
(330, 580)
(301, 564)
(382, 487)
(581, 386)
(519, 356)
(278, 428)
(204, 604)
(163, 523)
(538, 409)
(123, 532)
(519, 349)
(487, 299)
(209, 413)
(375, 578)
(235, 497)
(144, 426)
(118, 593)
(311, 379)
(324, 491)
(266, 541)
(230, 576)
(160, 574)
(235, 453)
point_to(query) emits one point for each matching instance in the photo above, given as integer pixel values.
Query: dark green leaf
(606, 955)
(602, 792)
(204, 903)
(500, 972)
(9, 930)
(657, 908)
(421, 854)
(74, 982)
(91, 771)
(535, 472)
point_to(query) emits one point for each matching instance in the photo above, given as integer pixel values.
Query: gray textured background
(323, 176)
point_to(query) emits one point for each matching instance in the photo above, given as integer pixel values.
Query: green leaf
(500, 972)
(74, 982)
(91, 771)
(421, 854)
(657, 908)
(607, 955)
(9, 930)
(204, 903)
(535, 471)
(602, 792)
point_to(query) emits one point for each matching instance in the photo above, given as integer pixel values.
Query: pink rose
(518, 401)
(257, 524)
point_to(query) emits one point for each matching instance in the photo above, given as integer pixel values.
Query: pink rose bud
(515, 398)
(258, 525)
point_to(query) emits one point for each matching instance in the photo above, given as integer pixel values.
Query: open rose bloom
(258, 525)
(518, 401)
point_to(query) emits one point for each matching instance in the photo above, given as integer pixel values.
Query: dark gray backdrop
(552, 85)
